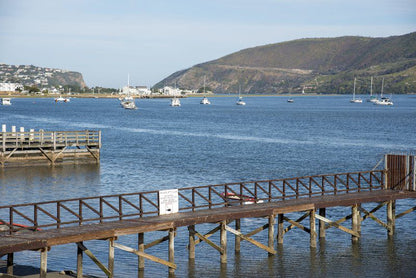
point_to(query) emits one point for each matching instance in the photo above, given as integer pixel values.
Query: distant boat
(175, 102)
(62, 99)
(6, 101)
(383, 100)
(372, 98)
(127, 102)
(240, 98)
(355, 100)
(290, 100)
(205, 100)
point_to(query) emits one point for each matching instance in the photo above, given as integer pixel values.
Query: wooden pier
(46, 224)
(25, 148)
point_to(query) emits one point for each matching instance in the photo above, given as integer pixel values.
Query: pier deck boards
(29, 240)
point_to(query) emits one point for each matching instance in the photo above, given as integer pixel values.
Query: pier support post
(237, 238)
(43, 263)
(280, 228)
(312, 229)
(391, 218)
(322, 212)
(356, 222)
(171, 249)
(271, 233)
(79, 261)
(141, 249)
(111, 256)
(191, 250)
(10, 264)
(223, 242)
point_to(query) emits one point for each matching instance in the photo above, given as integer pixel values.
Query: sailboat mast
(355, 80)
(204, 84)
(371, 87)
(382, 85)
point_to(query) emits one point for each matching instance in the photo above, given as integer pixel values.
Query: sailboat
(175, 102)
(372, 98)
(240, 98)
(205, 100)
(6, 101)
(355, 100)
(383, 100)
(127, 102)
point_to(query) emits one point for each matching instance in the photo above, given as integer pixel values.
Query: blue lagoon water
(161, 147)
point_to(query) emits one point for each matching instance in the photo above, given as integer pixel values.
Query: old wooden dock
(23, 148)
(46, 224)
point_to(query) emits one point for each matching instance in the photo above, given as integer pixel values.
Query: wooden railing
(43, 139)
(57, 214)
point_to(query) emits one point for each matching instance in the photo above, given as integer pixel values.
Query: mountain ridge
(316, 65)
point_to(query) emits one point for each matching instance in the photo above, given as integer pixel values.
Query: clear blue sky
(106, 39)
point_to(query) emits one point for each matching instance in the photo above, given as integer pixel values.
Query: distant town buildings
(10, 87)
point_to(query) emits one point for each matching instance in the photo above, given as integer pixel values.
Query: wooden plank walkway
(27, 240)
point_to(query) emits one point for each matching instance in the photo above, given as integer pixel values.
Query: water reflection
(42, 183)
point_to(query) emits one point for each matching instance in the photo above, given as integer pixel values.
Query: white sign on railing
(168, 201)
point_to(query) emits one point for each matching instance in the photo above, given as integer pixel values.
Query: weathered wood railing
(27, 139)
(56, 214)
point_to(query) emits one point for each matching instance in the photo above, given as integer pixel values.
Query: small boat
(127, 102)
(62, 99)
(372, 98)
(290, 100)
(383, 100)
(205, 100)
(235, 199)
(6, 101)
(355, 100)
(175, 102)
(240, 99)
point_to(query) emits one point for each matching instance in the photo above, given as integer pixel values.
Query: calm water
(161, 147)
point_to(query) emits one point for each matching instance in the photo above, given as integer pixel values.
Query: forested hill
(320, 65)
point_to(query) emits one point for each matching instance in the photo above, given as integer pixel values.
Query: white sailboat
(383, 100)
(240, 98)
(127, 102)
(6, 101)
(205, 100)
(175, 102)
(372, 98)
(355, 100)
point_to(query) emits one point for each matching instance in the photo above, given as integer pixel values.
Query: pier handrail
(28, 139)
(79, 211)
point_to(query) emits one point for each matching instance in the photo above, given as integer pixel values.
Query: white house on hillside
(10, 87)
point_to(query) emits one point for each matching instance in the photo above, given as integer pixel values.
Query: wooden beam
(249, 239)
(322, 212)
(369, 214)
(297, 223)
(94, 259)
(205, 238)
(210, 233)
(312, 232)
(79, 262)
(10, 264)
(223, 242)
(342, 228)
(191, 248)
(111, 256)
(171, 254)
(355, 222)
(405, 212)
(391, 221)
(156, 242)
(339, 221)
(271, 233)
(43, 263)
(374, 209)
(141, 247)
(237, 238)
(280, 228)
(144, 255)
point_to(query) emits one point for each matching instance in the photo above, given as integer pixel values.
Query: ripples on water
(160, 147)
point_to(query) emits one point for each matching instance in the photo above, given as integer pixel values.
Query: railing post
(120, 207)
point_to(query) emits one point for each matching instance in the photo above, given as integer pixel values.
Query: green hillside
(321, 65)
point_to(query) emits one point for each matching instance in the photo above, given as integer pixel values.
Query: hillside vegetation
(321, 65)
